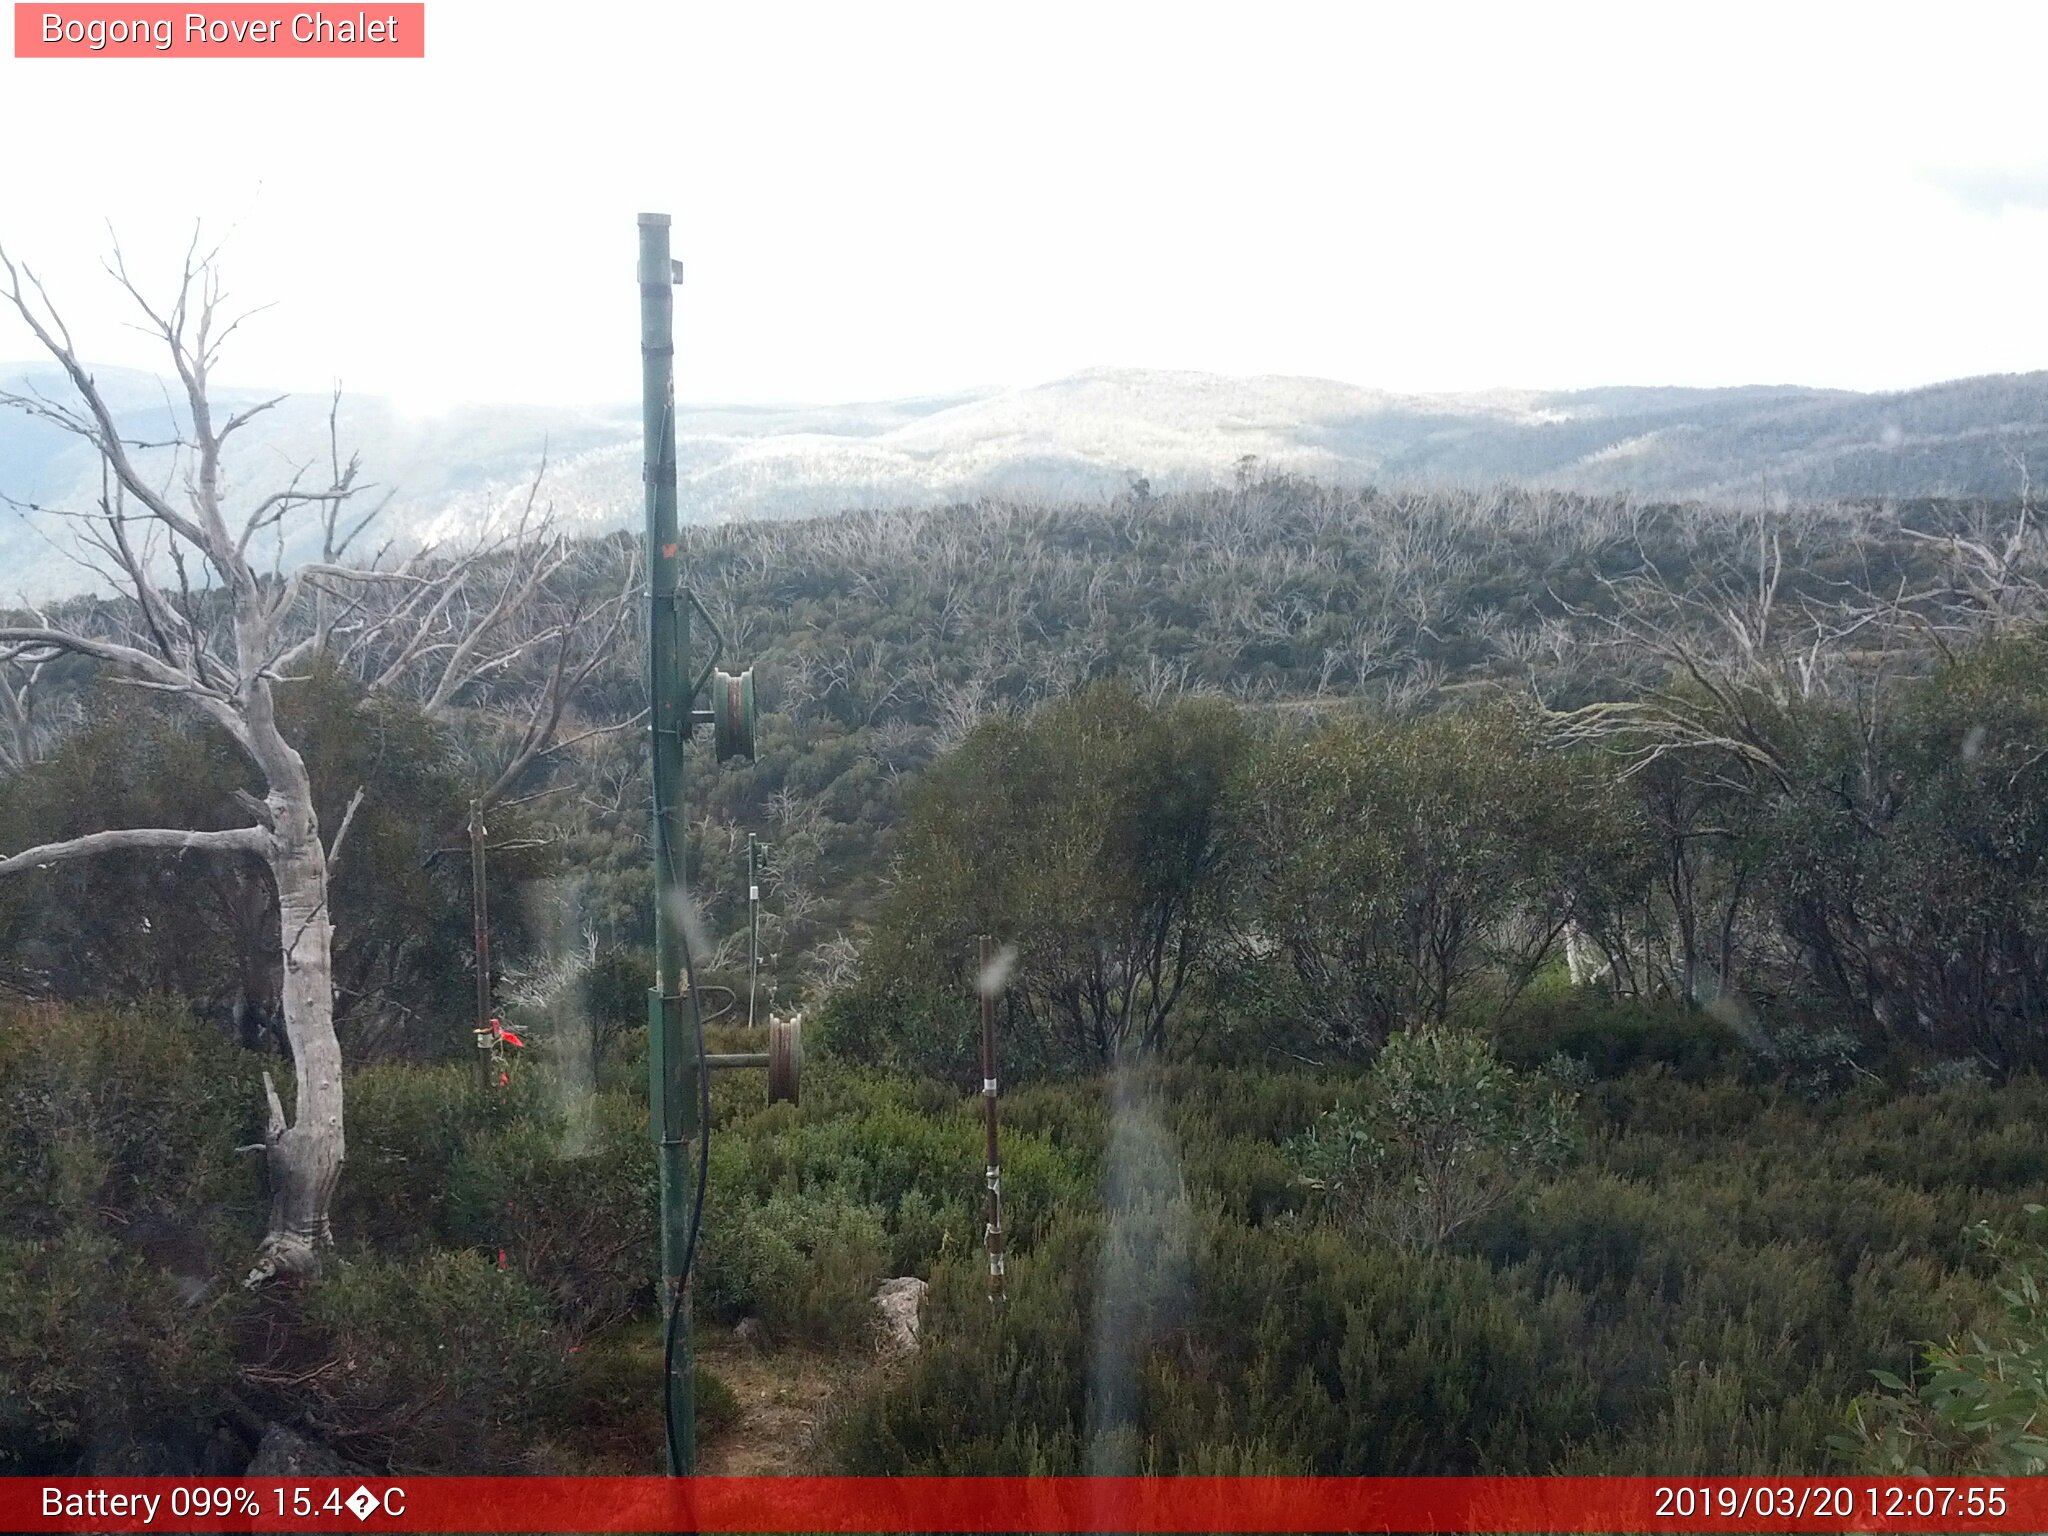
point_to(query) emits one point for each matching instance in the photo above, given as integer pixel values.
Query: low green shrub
(924, 1233)
(405, 1129)
(438, 1364)
(1978, 1404)
(124, 1113)
(805, 1266)
(1704, 1289)
(611, 1399)
(574, 1207)
(718, 1406)
(1707, 1287)
(96, 1345)
(1615, 1037)
(1442, 1133)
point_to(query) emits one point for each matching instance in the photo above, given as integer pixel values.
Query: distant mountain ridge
(1084, 437)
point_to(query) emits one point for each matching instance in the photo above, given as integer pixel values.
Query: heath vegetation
(1502, 982)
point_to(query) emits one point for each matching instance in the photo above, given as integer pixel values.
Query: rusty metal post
(753, 930)
(994, 1231)
(480, 912)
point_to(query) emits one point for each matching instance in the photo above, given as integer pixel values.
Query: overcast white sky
(885, 199)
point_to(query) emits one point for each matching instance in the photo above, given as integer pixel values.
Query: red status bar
(992, 1504)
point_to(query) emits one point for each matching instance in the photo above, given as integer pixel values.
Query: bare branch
(341, 832)
(26, 641)
(133, 839)
(49, 330)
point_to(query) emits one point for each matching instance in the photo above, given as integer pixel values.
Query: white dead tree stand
(199, 621)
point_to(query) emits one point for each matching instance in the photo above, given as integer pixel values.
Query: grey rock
(898, 1301)
(284, 1453)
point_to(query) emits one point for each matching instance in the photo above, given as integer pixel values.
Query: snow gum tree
(199, 619)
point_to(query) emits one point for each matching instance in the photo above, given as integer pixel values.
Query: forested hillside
(1082, 439)
(1500, 982)
(881, 639)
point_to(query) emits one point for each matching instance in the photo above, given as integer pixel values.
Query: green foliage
(118, 1116)
(122, 1203)
(1855, 871)
(1701, 1291)
(614, 990)
(917, 1155)
(1408, 870)
(1705, 1288)
(426, 1365)
(1913, 858)
(119, 929)
(438, 1161)
(1612, 1038)
(912, 1022)
(805, 1266)
(205, 927)
(718, 1406)
(97, 1347)
(611, 1403)
(573, 1204)
(1287, 1350)
(1756, 1220)
(406, 1127)
(402, 910)
(1442, 1133)
(881, 637)
(1092, 836)
(1979, 1403)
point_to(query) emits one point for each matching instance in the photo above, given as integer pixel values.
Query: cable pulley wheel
(732, 714)
(785, 1059)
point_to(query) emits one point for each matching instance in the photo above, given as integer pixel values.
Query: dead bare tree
(1735, 649)
(1729, 660)
(23, 728)
(223, 647)
(501, 636)
(1994, 575)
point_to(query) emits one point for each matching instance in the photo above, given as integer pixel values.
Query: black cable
(675, 1305)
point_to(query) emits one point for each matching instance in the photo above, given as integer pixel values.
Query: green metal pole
(671, 1038)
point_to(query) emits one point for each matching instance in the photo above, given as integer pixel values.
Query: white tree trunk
(1581, 960)
(305, 1155)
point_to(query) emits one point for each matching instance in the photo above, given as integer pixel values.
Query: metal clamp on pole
(671, 1069)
